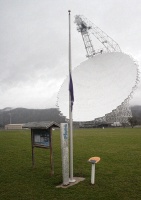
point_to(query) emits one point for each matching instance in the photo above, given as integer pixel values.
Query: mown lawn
(118, 174)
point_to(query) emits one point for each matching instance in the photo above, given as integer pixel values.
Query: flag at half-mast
(71, 91)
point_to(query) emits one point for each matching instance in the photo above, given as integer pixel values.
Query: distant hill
(24, 115)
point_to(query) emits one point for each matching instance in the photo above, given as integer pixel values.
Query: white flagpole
(70, 110)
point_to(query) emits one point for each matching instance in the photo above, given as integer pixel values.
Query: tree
(132, 121)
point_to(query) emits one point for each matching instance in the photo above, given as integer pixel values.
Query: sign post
(41, 137)
(65, 153)
(93, 161)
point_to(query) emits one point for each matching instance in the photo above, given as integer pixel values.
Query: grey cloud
(34, 43)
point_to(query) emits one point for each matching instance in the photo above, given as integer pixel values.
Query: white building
(13, 126)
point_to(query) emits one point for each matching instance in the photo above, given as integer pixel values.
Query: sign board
(41, 137)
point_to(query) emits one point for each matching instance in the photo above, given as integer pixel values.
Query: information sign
(41, 137)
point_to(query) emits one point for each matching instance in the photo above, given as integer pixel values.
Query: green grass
(118, 174)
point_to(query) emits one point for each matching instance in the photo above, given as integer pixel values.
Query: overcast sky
(34, 44)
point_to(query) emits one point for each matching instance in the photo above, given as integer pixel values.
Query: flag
(71, 92)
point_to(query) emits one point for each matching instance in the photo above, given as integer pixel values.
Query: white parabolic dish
(100, 83)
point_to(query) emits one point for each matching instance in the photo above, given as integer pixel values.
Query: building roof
(13, 124)
(41, 125)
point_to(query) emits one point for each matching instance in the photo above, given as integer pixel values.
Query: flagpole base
(72, 180)
(77, 180)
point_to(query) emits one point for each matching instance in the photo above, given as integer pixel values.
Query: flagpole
(70, 107)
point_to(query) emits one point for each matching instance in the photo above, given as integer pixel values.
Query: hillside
(23, 115)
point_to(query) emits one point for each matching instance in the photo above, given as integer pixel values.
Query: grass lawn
(118, 174)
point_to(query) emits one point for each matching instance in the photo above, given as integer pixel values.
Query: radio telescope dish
(100, 83)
